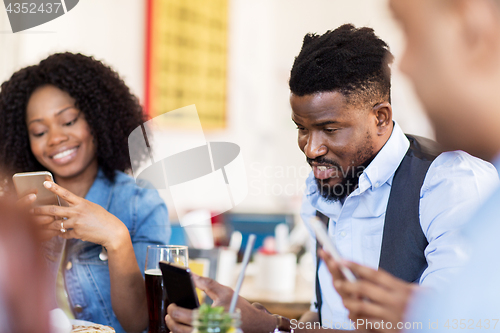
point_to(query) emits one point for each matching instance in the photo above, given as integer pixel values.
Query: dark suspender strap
(403, 241)
(319, 300)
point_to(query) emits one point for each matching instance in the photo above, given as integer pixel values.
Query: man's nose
(315, 147)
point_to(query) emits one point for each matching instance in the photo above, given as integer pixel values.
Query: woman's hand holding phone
(29, 187)
(45, 222)
(26, 201)
(83, 220)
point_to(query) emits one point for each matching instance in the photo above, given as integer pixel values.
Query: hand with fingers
(45, 222)
(82, 219)
(26, 201)
(253, 319)
(376, 297)
(88, 221)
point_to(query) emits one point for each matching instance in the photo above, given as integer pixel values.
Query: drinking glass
(156, 294)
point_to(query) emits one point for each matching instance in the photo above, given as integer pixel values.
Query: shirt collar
(386, 162)
(100, 191)
(496, 162)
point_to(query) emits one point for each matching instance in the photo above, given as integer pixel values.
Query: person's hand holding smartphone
(31, 192)
(76, 218)
(328, 245)
(27, 183)
(179, 286)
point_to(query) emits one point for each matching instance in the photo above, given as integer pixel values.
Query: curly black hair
(353, 61)
(110, 109)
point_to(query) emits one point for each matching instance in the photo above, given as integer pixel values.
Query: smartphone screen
(328, 245)
(179, 286)
(32, 182)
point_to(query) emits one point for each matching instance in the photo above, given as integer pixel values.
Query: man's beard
(348, 183)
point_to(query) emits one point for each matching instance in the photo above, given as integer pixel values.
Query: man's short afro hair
(352, 61)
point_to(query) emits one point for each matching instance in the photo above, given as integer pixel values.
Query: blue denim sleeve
(152, 226)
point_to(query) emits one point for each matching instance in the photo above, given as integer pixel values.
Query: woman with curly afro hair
(71, 115)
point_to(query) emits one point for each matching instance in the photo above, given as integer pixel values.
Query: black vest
(403, 241)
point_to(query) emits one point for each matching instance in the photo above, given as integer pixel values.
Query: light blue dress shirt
(455, 184)
(472, 299)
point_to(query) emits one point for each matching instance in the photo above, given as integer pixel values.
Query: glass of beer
(156, 294)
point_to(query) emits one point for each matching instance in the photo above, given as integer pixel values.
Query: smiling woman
(71, 115)
(60, 137)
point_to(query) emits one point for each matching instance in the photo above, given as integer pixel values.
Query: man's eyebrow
(57, 114)
(328, 122)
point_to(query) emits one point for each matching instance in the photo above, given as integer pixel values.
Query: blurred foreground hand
(376, 299)
(253, 318)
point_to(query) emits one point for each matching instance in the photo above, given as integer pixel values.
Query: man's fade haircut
(350, 60)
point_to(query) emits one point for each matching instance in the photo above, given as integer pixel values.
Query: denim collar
(101, 190)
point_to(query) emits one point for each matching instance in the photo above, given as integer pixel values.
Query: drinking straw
(244, 264)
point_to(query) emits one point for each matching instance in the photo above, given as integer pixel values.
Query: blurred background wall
(264, 37)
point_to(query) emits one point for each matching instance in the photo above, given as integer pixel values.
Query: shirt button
(78, 308)
(104, 254)
(69, 265)
(343, 234)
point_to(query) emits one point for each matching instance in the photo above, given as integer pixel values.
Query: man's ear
(383, 116)
(480, 25)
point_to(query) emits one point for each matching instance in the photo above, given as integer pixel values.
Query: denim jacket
(86, 275)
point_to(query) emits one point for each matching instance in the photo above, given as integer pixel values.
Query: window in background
(187, 59)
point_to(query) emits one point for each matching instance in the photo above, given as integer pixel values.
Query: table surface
(288, 304)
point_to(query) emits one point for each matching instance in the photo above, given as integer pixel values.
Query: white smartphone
(32, 182)
(329, 246)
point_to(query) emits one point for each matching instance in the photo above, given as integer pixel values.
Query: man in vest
(389, 200)
(452, 56)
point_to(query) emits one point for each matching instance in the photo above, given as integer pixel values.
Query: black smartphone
(179, 285)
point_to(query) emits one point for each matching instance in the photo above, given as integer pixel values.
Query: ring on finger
(62, 227)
